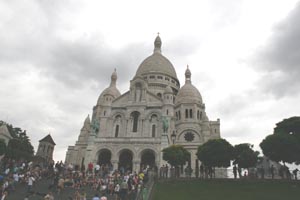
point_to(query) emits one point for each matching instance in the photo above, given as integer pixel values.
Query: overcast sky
(56, 58)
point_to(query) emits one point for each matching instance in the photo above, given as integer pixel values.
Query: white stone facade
(131, 131)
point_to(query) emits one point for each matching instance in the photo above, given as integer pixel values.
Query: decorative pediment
(121, 100)
(153, 99)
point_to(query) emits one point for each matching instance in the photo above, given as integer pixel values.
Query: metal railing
(145, 190)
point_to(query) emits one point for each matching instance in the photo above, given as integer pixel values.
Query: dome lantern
(188, 93)
(157, 44)
(114, 78)
(188, 75)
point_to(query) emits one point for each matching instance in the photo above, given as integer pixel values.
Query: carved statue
(95, 126)
(165, 124)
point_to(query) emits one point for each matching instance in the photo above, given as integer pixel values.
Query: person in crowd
(295, 171)
(234, 171)
(272, 171)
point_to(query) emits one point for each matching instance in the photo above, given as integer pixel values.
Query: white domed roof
(112, 90)
(156, 63)
(168, 90)
(188, 93)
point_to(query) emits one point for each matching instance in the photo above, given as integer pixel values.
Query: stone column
(136, 166)
(115, 164)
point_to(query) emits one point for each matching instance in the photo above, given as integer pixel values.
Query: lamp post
(173, 137)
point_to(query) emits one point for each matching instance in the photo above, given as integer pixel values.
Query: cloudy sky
(57, 56)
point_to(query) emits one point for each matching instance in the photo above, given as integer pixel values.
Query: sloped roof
(48, 138)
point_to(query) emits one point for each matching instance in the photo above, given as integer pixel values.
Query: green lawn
(227, 190)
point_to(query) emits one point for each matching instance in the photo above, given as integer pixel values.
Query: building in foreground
(131, 129)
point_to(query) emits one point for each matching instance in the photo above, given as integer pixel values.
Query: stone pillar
(115, 164)
(88, 157)
(136, 166)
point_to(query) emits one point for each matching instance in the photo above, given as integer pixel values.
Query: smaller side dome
(112, 90)
(168, 90)
(188, 93)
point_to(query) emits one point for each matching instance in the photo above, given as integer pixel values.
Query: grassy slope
(226, 189)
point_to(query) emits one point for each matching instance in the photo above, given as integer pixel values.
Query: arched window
(117, 131)
(153, 130)
(135, 117)
(159, 95)
(191, 113)
(186, 113)
(198, 114)
(138, 92)
(179, 115)
(167, 112)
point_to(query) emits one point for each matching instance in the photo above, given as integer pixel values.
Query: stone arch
(153, 112)
(135, 115)
(104, 156)
(153, 125)
(116, 113)
(126, 157)
(117, 124)
(148, 157)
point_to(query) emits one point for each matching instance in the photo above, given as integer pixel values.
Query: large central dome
(156, 63)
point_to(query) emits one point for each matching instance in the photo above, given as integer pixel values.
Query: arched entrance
(125, 160)
(104, 157)
(148, 159)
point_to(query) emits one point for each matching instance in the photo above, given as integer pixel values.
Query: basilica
(131, 129)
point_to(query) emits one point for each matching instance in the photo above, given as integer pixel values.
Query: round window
(189, 137)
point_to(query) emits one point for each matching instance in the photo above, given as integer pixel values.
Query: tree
(284, 144)
(280, 147)
(215, 153)
(288, 126)
(2, 147)
(176, 155)
(19, 147)
(245, 156)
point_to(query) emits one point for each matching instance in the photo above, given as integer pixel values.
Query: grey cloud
(280, 58)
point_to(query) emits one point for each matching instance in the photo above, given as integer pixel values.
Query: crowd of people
(104, 181)
(282, 172)
(101, 180)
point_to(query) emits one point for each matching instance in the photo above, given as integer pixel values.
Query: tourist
(123, 190)
(166, 171)
(77, 195)
(116, 191)
(96, 197)
(31, 179)
(60, 185)
(272, 171)
(234, 171)
(295, 171)
(4, 195)
(262, 172)
(239, 171)
(201, 171)
(161, 171)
